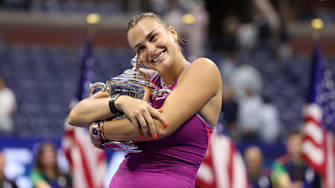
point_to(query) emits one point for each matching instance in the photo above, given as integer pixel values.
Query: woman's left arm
(196, 86)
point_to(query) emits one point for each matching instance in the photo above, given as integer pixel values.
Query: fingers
(151, 125)
(144, 127)
(100, 94)
(134, 121)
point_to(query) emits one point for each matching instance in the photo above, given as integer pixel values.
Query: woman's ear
(173, 32)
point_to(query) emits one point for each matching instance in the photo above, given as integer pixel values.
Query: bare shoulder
(204, 67)
(202, 71)
(204, 60)
(148, 72)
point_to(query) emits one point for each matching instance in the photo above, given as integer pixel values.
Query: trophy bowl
(131, 83)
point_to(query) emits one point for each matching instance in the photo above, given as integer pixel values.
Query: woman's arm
(196, 86)
(90, 110)
(123, 130)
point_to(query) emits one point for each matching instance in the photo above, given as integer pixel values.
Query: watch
(111, 102)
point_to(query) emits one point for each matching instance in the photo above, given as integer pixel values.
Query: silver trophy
(134, 84)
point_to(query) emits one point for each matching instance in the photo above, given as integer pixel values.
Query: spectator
(290, 170)
(7, 108)
(259, 176)
(256, 120)
(47, 173)
(246, 84)
(4, 181)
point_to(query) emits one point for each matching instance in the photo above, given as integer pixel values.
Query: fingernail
(155, 136)
(166, 124)
(148, 138)
(140, 136)
(160, 110)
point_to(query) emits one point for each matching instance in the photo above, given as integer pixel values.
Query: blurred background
(263, 49)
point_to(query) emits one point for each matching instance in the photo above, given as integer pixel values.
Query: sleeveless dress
(171, 162)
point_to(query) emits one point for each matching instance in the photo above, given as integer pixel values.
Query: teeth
(159, 57)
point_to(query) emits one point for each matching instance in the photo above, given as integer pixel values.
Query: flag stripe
(223, 162)
(84, 163)
(231, 164)
(330, 161)
(314, 131)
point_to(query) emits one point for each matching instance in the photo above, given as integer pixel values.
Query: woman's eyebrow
(146, 38)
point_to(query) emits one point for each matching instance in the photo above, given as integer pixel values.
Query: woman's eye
(152, 38)
(140, 49)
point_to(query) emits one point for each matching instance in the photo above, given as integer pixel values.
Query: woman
(171, 130)
(46, 173)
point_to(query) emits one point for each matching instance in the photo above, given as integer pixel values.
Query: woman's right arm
(90, 110)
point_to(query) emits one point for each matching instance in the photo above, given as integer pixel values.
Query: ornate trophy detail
(132, 83)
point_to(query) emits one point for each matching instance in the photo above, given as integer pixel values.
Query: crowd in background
(234, 31)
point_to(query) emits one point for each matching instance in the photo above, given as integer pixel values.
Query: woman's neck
(172, 75)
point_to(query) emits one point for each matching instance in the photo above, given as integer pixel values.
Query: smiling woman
(171, 130)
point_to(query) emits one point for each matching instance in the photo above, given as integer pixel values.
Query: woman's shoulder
(202, 70)
(204, 65)
(204, 62)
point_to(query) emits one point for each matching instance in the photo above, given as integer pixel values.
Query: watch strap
(111, 103)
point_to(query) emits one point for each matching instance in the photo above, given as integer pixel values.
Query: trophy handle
(97, 85)
(160, 92)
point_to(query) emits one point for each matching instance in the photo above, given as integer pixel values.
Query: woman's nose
(150, 47)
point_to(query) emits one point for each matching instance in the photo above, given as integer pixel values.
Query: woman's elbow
(74, 120)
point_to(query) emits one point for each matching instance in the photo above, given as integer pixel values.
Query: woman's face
(48, 158)
(156, 45)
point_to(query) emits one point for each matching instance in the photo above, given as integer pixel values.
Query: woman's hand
(141, 115)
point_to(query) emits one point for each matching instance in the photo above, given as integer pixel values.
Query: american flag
(223, 166)
(88, 164)
(319, 121)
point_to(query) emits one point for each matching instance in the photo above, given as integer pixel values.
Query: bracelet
(97, 130)
(101, 126)
(111, 103)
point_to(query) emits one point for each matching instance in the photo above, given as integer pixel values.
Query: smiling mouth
(160, 57)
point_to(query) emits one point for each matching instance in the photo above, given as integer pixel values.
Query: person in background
(4, 181)
(7, 107)
(46, 173)
(259, 176)
(290, 170)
